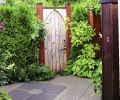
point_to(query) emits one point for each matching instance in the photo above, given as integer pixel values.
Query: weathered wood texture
(110, 50)
(68, 33)
(39, 11)
(95, 22)
(55, 52)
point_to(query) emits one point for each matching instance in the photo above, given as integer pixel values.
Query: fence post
(110, 49)
(95, 22)
(39, 11)
(68, 33)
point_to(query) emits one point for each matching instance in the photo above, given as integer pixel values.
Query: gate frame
(39, 11)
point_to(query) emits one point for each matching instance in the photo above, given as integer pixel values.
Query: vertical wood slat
(95, 22)
(55, 21)
(68, 33)
(110, 50)
(53, 42)
(39, 11)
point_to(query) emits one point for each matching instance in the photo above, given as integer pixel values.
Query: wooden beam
(54, 7)
(68, 33)
(39, 11)
(109, 1)
(110, 49)
(95, 23)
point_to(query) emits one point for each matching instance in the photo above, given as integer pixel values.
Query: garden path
(60, 88)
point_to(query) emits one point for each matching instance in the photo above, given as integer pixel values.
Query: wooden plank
(91, 19)
(95, 22)
(109, 1)
(110, 50)
(57, 44)
(39, 11)
(68, 39)
(54, 7)
(54, 42)
(46, 37)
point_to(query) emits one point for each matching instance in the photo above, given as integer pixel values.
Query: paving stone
(18, 94)
(35, 91)
(41, 96)
(31, 86)
(53, 89)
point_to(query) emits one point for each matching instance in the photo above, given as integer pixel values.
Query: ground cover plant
(4, 95)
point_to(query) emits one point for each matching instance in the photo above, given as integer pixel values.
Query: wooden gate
(56, 45)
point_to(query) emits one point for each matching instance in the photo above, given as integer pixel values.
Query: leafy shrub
(4, 95)
(68, 69)
(88, 51)
(81, 33)
(19, 26)
(93, 5)
(39, 72)
(4, 76)
(83, 58)
(84, 67)
(79, 12)
(19, 40)
(97, 77)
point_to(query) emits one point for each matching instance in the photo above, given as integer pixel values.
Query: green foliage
(68, 69)
(39, 72)
(4, 77)
(97, 77)
(79, 12)
(94, 5)
(4, 95)
(19, 41)
(88, 50)
(83, 57)
(20, 23)
(84, 67)
(81, 33)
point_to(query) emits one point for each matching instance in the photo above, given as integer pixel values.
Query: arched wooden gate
(55, 49)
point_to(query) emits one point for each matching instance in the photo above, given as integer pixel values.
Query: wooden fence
(95, 22)
(110, 48)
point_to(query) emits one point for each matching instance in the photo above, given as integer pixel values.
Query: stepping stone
(35, 91)
(41, 96)
(31, 86)
(53, 89)
(18, 94)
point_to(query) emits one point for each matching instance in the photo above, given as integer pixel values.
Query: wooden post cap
(109, 1)
(39, 4)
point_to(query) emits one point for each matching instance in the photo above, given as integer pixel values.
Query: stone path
(60, 88)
